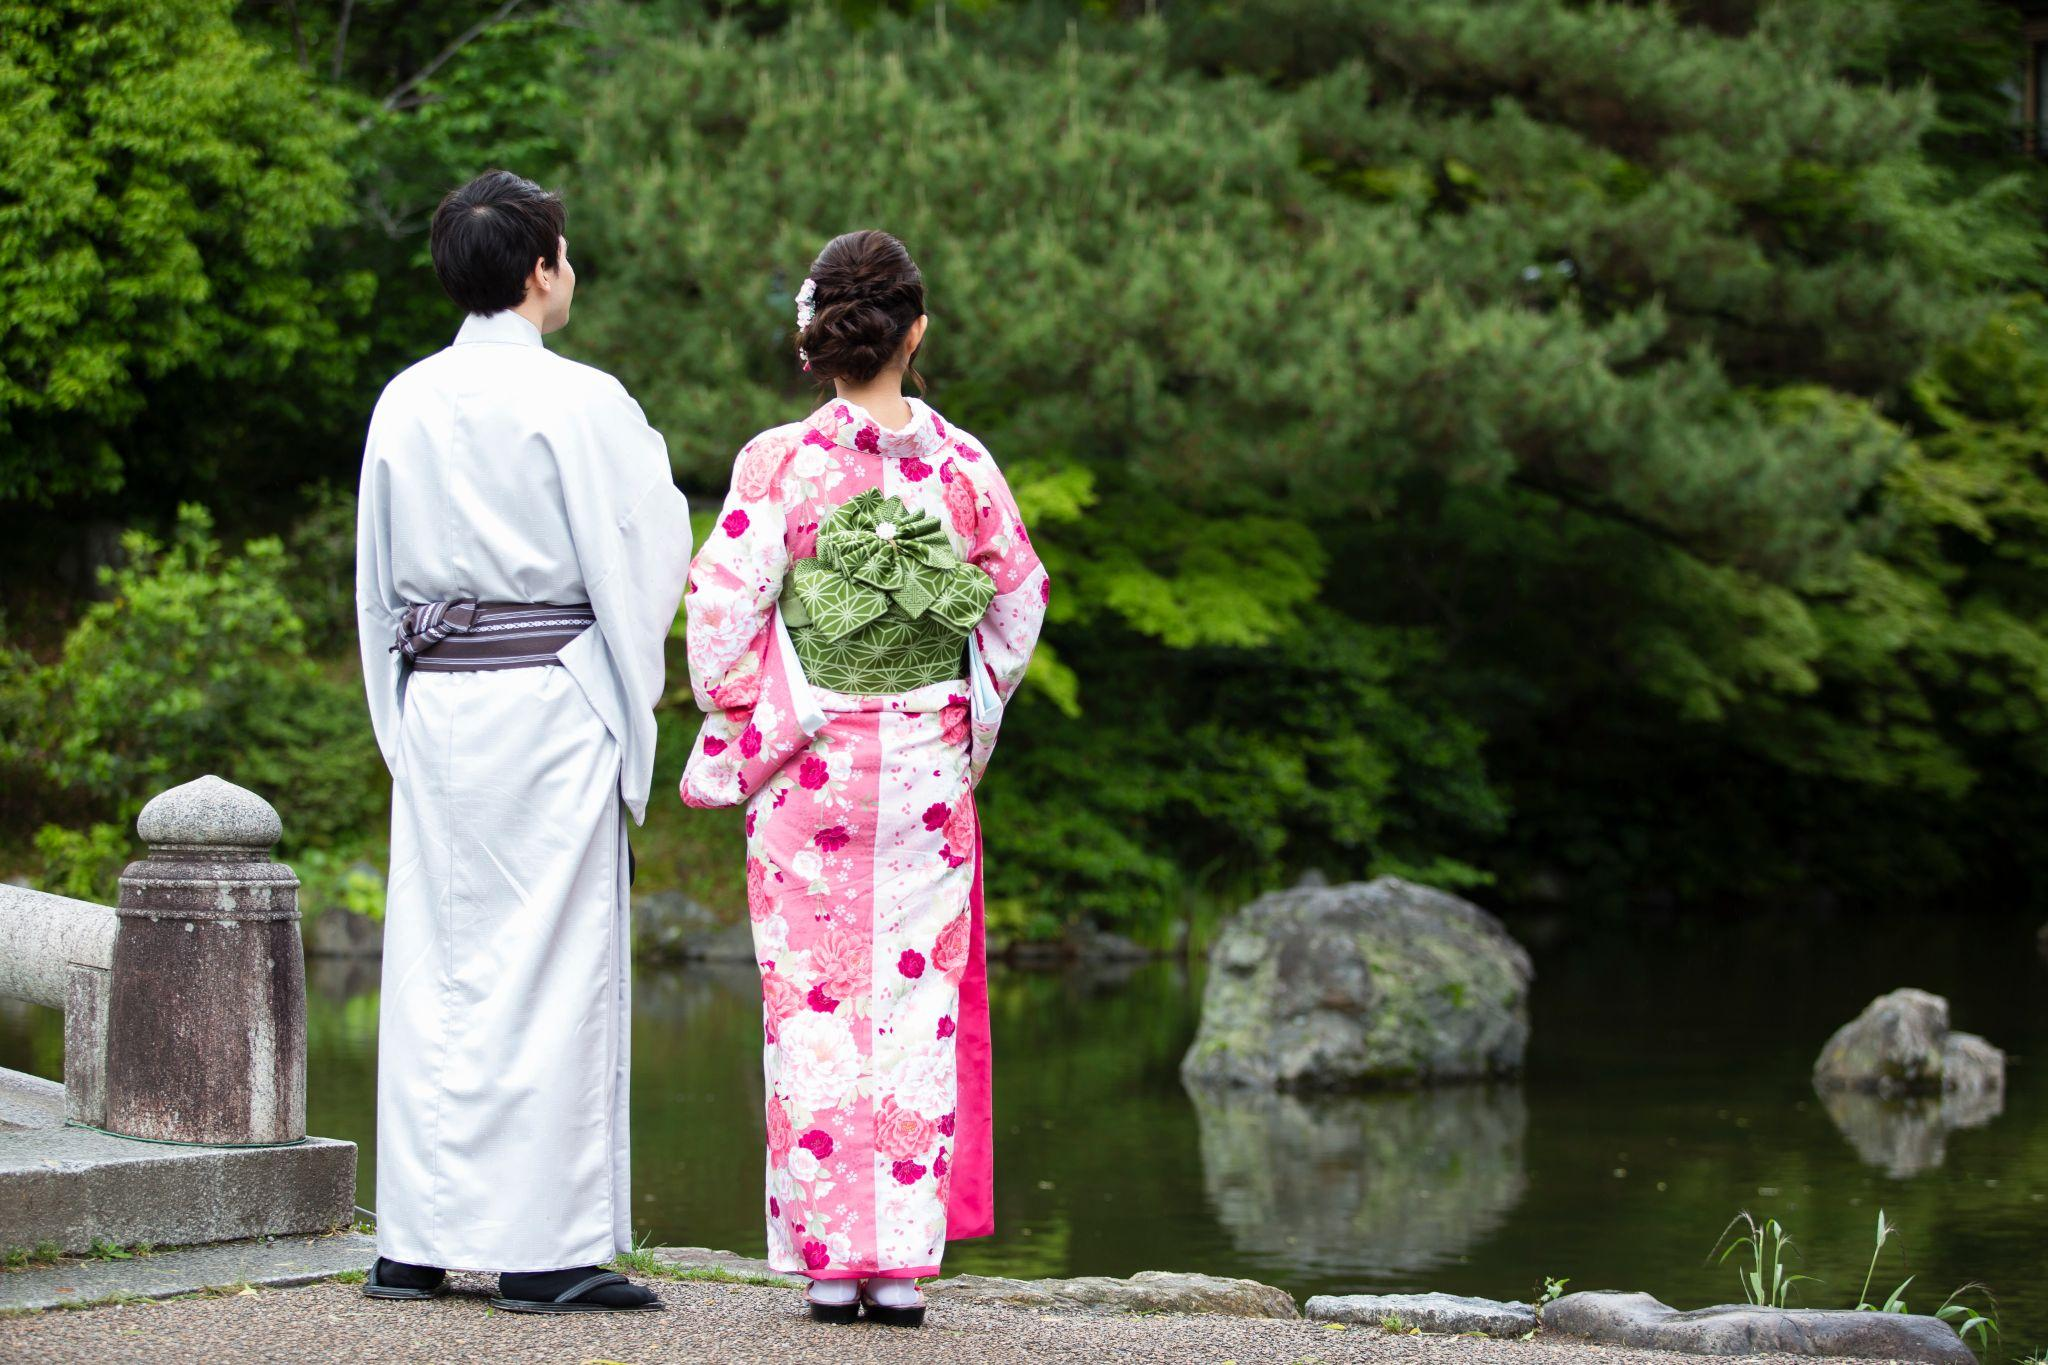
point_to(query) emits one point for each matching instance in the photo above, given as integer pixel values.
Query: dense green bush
(194, 663)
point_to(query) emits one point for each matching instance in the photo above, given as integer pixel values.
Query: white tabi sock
(892, 1292)
(834, 1291)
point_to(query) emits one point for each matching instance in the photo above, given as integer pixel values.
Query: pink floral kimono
(863, 848)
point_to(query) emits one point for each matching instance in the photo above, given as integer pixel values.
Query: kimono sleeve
(631, 527)
(999, 648)
(378, 605)
(735, 581)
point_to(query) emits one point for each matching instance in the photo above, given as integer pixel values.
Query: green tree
(162, 182)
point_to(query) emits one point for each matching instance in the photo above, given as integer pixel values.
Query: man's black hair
(487, 235)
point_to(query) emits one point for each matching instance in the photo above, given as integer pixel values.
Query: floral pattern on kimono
(863, 847)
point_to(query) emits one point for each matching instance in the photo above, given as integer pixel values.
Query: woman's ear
(915, 338)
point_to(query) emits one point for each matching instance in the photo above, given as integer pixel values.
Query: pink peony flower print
(936, 815)
(907, 1172)
(774, 1207)
(815, 437)
(949, 954)
(966, 451)
(735, 523)
(938, 426)
(754, 477)
(946, 1027)
(750, 741)
(811, 773)
(960, 826)
(818, 1143)
(750, 822)
(779, 1134)
(960, 507)
(901, 1132)
(946, 1125)
(914, 469)
(953, 724)
(939, 1163)
(832, 838)
(868, 438)
(780, 999)
(758, 904)
(713, 747)
(821, 1002)
(844, 962)
(1044, 591)
(946, 474)
(815, 1256)
(911, 964)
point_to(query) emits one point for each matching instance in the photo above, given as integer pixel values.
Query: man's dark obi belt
(472, 637)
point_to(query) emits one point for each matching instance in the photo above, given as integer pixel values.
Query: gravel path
(330, 1322)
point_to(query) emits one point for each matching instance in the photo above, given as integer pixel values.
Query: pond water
(1667, 1089)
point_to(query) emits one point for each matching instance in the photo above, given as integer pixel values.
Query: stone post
(206, 1029)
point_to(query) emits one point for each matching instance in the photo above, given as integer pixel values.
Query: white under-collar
(506, 329)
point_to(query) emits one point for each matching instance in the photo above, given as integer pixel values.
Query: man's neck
(535, 312)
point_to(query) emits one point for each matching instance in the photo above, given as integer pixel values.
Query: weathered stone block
(1148, 1291)
(1452, 1314)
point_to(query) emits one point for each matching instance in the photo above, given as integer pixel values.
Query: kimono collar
(850, 425)
(506, 329)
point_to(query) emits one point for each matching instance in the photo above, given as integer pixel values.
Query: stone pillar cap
(210, 812)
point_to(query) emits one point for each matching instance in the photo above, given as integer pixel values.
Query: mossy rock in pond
(1367, 984)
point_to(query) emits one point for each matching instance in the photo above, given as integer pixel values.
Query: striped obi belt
(473, 637)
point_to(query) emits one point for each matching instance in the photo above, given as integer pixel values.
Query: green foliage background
(1590, 452)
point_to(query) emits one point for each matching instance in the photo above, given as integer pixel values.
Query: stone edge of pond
(263, 1263)
(1434, 1313)
(1639, 1320)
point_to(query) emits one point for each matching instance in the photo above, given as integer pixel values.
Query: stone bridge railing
(185, 1005)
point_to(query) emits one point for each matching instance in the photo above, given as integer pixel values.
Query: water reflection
(1907, 1137)
(1385, 1184)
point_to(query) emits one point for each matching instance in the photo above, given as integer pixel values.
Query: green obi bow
(886, 603)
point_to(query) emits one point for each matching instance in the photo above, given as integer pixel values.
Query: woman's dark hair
(487, 235)
(869, 295)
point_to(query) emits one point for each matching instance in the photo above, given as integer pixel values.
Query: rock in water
(1370, 983)
(1901, 1045)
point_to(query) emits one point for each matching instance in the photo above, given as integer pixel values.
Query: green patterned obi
(885, 606)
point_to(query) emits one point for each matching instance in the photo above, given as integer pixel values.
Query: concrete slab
(274, 1263)
(73, 1186)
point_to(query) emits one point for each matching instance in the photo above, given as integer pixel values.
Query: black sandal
(376, 1289)
(834, 1312)
(886, 1316)
(567, 1302)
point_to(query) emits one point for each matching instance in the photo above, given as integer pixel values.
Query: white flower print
(821, 1061)
(924, 1080)
(807, 865)
(803, 1164)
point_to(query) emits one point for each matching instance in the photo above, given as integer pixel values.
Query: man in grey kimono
(521, 550)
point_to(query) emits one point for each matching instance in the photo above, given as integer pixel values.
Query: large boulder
(1637, 1320)
(1370, 983)
(1901, 1045)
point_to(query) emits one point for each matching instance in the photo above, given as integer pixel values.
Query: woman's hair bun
(869, 294)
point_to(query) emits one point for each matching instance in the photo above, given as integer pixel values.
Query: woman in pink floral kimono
(858, 618)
